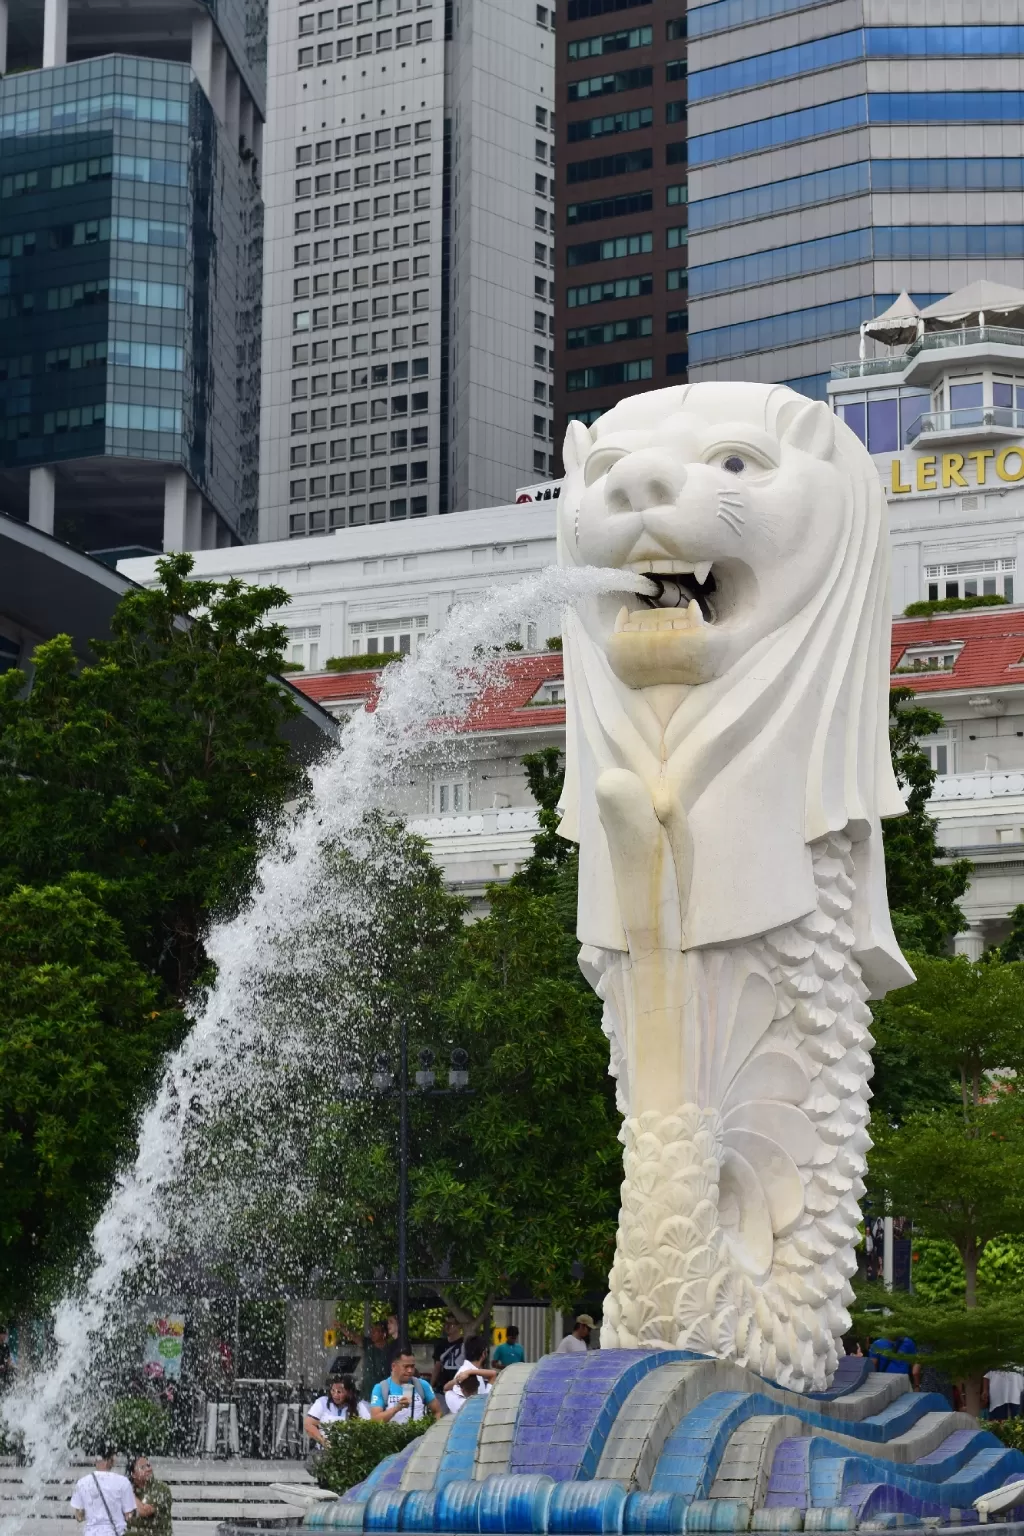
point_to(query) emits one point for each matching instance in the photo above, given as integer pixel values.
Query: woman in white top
(340, 1401)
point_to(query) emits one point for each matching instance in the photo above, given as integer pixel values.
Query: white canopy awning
(979, 303)
(899, 323)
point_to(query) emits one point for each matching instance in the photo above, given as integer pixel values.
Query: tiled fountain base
(630, 1440)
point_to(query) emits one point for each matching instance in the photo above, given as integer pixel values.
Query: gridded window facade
(132, 305)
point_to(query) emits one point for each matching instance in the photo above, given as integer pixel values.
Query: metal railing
(931, 341)
(1003, 416)
(261, 1419)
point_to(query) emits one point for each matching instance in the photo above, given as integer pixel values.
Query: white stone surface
(727, 766)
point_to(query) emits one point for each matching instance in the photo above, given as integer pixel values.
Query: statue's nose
(647, 478)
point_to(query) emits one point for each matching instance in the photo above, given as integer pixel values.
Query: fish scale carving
(675, 1281)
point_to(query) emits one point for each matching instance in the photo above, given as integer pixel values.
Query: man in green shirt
(509, 1353)
(153, 1516)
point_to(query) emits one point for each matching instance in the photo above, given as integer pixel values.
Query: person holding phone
(403, 1396)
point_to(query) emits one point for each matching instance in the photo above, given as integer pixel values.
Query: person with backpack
(103, 1499)
(403, 1396)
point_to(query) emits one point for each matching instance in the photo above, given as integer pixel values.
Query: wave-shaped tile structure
(659, 1441)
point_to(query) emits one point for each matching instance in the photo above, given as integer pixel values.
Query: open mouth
(683, 598)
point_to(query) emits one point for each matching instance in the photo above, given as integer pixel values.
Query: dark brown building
(620, 292)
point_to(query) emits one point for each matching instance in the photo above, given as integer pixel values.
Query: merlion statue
(727, 766)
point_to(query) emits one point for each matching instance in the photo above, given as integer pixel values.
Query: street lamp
(382, 1080)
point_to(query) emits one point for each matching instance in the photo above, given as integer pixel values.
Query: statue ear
(809, 426)
(578, 443)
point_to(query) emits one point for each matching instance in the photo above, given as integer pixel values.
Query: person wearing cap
(575, 1343)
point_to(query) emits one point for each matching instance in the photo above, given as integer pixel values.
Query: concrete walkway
(205, 1493)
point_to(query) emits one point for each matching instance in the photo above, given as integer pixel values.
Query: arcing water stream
(289, 900)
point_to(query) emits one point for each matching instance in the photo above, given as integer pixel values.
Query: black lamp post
(382, 1081)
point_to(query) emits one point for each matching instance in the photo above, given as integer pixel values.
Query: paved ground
(205, 1493)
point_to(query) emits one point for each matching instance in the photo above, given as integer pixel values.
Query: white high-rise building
(409, 259)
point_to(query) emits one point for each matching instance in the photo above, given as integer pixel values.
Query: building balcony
(986, 337)
(990, 785)
(970, 423)
(491, 823)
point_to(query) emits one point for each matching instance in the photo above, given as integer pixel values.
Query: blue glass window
(786, 128)
(844, 181)
(953, 242)
(976, 174)
(781, 64)
(844, 47)
(785, 330)
(782, 262)
(852, 112)
(947, 107)
(854, 413)
(883, 425)
(705, 19)
(760, 202)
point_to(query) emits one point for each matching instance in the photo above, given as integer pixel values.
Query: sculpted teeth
(660, 619)
(701, 571)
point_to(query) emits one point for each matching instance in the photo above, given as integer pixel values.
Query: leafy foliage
(138, 1427)
(1009, 1431)
(356, 1446)
(157, 767)
(923, 895)
(961, 1342)
(924, 610)
(362, 663)
(83, 1031)
(135, 795)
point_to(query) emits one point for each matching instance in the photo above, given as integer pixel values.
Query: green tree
(135, 795)
(156, 768)
(951, 1155)
(513, 1184)
(82, 1032)
(923, 894)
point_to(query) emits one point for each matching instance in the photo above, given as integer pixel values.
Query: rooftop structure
(940, 406)
(359, 592)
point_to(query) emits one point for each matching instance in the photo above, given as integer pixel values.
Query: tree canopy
(156, 767)
(135, 795)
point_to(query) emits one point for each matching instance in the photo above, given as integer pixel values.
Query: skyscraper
(407, 365)
(130, 254)
(622, 269)
(839, 153)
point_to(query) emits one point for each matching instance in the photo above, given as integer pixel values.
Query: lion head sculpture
(750, 689)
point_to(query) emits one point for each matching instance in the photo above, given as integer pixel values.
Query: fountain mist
(288, 901)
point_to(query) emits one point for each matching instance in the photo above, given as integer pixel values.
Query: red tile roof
(992, 654)
(503, 707)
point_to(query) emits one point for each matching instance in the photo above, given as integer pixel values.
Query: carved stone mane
(727, 766)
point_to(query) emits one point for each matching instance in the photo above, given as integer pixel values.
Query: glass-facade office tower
(622, 265)
(130, 269)
(409, 261)
(839, 153)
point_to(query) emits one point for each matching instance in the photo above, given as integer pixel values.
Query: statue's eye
(734, 464)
